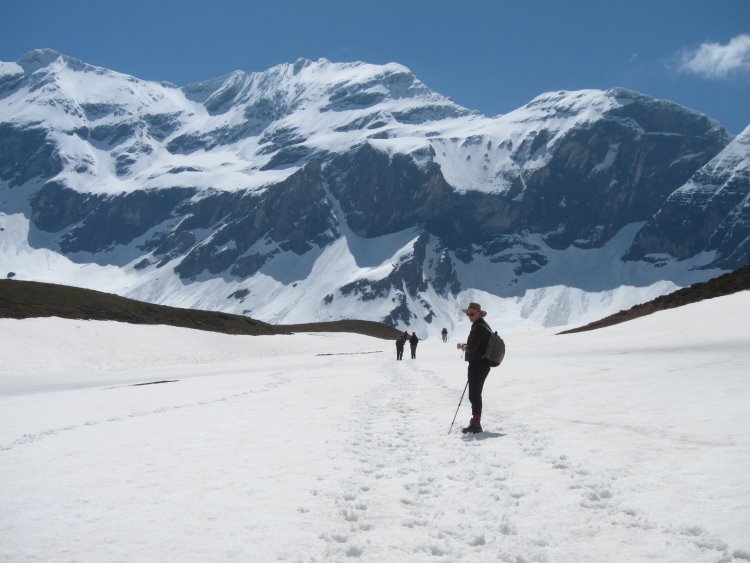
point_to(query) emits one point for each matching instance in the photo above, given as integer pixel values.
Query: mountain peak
(38, 58)
(41, 58)
(299, 64)
(331, 85)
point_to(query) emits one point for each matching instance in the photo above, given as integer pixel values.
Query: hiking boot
(473, 428)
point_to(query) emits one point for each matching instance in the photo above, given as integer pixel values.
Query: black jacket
(477, 341)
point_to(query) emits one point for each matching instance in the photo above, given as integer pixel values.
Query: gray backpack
(495, 350)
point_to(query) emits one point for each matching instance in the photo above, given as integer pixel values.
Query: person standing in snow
(444, 332)
(413, 341)
(479, 367)
(400, 342)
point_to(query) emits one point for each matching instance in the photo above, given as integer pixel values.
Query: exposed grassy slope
(739, 280)
(24, 299)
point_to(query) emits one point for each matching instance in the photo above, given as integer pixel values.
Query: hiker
(400, 341)
(478, 366)
(444, 332)
(413, 341)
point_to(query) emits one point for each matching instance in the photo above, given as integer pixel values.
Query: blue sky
(489, 56)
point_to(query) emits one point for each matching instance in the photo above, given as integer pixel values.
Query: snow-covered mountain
(320, 190)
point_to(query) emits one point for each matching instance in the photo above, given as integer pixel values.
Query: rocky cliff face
(264, 176)
(710, 212)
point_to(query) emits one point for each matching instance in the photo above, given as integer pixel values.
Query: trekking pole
(458, 407)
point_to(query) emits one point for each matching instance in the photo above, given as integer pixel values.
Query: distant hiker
(478, 366)
(400, 342)
(413, 341)
(444, 332)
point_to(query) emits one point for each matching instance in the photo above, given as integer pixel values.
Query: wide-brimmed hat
(475, 307)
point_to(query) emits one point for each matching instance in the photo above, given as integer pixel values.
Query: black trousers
(478, 371)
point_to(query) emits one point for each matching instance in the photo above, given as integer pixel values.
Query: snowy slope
(625, 444)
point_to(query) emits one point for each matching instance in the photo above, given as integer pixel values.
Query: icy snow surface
(630, 443)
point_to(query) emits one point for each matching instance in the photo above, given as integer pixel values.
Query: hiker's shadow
(482, 436)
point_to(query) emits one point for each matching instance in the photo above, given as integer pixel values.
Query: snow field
(625, 444)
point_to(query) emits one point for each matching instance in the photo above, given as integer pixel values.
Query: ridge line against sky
(490, 56)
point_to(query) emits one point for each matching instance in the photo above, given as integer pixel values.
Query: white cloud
(712, 60)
